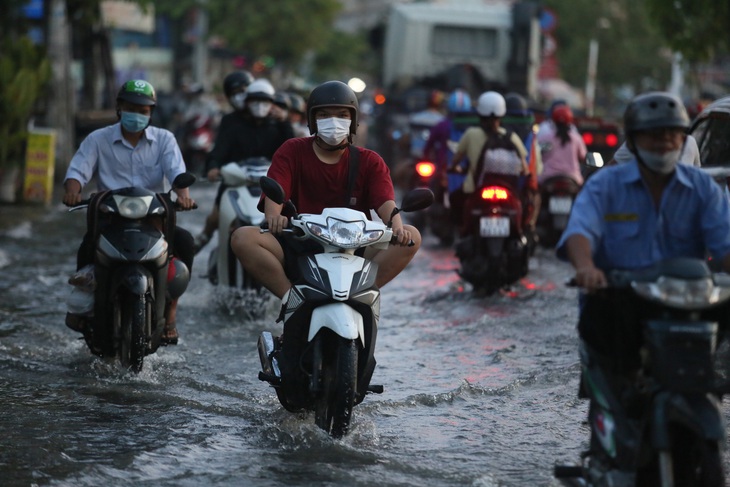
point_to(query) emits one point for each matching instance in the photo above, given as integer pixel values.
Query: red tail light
(588, 138)
(611, 140)
(492, 193)
(425, 169)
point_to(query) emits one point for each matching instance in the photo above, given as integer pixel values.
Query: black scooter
(136, 276)
(663, 426)
(493, 249)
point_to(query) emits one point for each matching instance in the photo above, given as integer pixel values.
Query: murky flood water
(478, 391)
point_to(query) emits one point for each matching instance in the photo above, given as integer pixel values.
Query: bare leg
(261, 255)
(393, 260)
(169, 334)
(211, 222)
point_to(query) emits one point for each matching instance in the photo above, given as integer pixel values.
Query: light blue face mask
(134, 122)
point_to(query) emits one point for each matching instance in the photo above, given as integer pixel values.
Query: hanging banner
(40, 156)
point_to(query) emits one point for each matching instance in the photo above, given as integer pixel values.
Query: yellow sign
(39, 165)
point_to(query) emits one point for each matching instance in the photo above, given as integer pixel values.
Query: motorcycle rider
(566, 149)
(520, 119)
(130, 152)
(298, 115)
(248, 132)
(491, 107)
(235, 85)
(444, 136)
(632, 215)
(281, 106)
(313, 172)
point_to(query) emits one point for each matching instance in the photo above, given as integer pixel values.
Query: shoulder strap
(351, 201)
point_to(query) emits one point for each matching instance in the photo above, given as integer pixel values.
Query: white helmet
(491, 104)
(260, 89)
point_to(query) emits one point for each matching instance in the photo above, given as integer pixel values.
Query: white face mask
(660, 163)
(333, 131)
(238, 100)
(259, 109)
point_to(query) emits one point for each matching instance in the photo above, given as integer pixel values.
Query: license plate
(561, 205)
(494, 226)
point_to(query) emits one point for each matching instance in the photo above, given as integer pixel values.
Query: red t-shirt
(313, 185)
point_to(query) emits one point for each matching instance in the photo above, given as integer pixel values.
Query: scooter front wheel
(133, 314)
(336, 397)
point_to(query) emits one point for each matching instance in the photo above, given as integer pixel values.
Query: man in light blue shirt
(631, 216)
(131, 153)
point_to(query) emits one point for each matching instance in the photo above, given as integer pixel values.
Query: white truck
(500, 38)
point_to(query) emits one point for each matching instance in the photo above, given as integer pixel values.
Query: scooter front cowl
(340, 318)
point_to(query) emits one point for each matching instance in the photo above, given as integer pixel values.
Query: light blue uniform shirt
(116, 164)
(615, 211)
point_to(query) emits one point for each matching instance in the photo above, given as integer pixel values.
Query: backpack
(499, 156)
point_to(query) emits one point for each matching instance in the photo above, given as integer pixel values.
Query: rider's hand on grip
(277, 223)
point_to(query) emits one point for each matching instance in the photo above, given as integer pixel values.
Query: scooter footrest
(270, 378)
(375, 389)
(567, 471)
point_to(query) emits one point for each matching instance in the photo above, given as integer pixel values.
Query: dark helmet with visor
(655, 110)
(236, 80)
(332, 94)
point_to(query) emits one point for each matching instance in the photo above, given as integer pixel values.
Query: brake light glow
(425, 169)
(611, 140)
(588, 138)
(492, 193)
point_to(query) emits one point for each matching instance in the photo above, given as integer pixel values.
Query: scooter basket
(681, 355)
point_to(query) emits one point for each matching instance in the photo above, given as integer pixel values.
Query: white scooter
(237, 208)
(326, 359)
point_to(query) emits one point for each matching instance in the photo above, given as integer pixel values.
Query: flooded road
(478, 391)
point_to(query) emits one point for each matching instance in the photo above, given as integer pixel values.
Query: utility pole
(61, 111)
(200, 49)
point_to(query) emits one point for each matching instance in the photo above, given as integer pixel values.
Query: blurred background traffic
(62, 61)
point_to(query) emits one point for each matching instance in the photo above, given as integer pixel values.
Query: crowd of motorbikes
(665, 428)
(492, 244)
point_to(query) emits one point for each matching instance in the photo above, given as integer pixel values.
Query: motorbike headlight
(682, 293)
(346, 235)
(133, 207)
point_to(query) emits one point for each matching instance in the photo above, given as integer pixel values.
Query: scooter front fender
(137, 280)
(340, 318)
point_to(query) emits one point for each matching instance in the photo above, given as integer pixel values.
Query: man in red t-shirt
(314, 174)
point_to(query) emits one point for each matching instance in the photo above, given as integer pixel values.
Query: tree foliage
(285, 30)
(698, 29)
(630, 52)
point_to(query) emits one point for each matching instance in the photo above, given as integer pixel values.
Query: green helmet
(139, 92)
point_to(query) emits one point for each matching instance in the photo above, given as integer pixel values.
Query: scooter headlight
(682, 293)
(133, 207)
(346, 235)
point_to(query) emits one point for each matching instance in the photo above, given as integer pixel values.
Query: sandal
(76, 322)
(169, 335)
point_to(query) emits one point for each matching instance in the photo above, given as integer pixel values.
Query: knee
(241, 238)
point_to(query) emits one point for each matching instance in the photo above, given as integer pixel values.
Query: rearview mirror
(417, 199)
(184, 180)
(272, 190)
(594, 159)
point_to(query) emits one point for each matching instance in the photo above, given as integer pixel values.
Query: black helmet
(282, 100)
(516, 105)
(332, 94)
(139, 92)
(655, 110)
(236, 80)
(297, 103)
